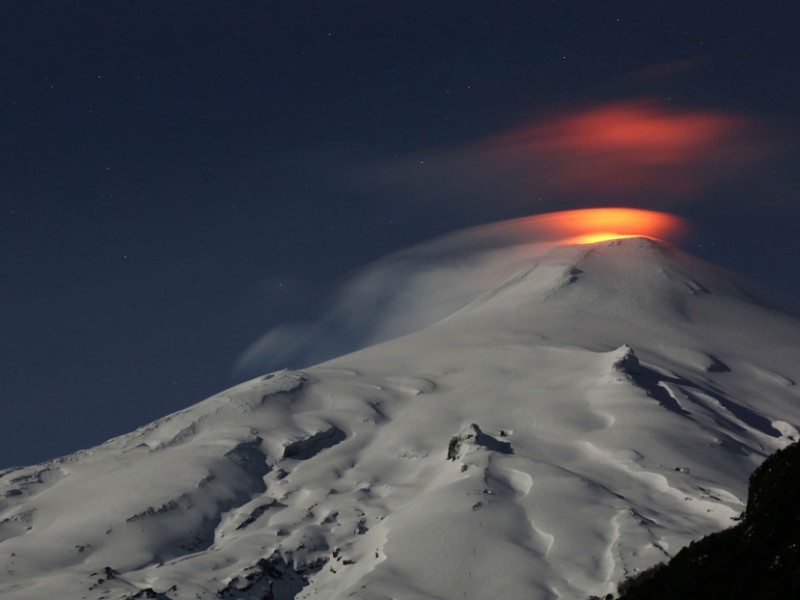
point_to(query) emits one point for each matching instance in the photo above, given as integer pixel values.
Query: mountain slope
(582, 422)
(758, 559)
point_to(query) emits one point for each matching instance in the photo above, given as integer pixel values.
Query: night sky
(178, 177)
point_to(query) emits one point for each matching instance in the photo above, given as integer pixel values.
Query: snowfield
(581, 422)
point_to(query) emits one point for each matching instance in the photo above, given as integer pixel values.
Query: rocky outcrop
(472, 438)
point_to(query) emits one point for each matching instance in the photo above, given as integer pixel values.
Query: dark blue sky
(177, 177)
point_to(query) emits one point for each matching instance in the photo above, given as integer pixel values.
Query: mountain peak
(629, 284)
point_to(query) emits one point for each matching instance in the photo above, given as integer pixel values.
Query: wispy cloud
(640, 151)
(631, 147)
(401, 293)
(416, 287)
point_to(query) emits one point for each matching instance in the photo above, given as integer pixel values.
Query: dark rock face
(148, 593)
(472, 436)
(270, 578)
(758, 559)
(314, 444)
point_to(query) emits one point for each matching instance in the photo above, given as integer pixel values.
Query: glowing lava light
(590, 225)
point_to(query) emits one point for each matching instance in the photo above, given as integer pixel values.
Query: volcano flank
(577, 424)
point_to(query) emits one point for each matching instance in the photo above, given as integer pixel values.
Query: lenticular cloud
(639, 146)
(401, 293)
(419, 286)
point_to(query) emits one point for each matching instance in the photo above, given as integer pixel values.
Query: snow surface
(581, 422)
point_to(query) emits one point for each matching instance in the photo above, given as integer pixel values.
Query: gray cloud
(403, 292)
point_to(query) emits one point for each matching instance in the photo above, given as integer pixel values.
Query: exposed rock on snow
(624, 360)
(312, 445)
(470, 439)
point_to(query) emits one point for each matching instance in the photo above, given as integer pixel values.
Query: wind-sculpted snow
(560, 433)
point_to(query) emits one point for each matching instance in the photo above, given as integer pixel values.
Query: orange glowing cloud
(635, 146)
(585, 226)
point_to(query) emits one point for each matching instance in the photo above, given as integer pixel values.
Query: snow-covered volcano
(583, 421)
